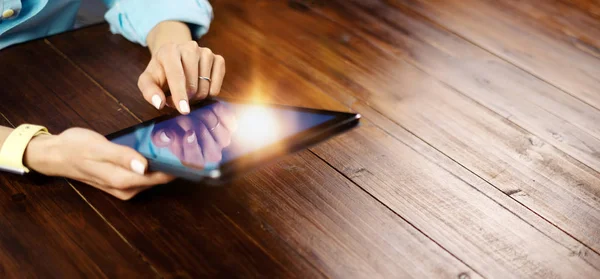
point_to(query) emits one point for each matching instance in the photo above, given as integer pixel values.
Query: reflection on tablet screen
(218, 133)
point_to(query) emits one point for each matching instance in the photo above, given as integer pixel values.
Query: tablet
(220, 139)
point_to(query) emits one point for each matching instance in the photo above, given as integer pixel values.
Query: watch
(13, 149)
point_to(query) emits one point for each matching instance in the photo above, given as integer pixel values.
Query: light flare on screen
(257, 126)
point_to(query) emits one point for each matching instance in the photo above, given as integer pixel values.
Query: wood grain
(525, 44)
(46, 228)
(522, 99)
(300, 211)
(71, 97)
(591, 7)
(562, 20)
(485, 257)
(565, 181)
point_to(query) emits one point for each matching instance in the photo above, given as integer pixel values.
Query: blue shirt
(32, 19)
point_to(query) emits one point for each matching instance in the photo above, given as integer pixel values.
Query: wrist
(41, 154)
(168, 32)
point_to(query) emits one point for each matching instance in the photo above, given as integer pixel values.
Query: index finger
(170, 59)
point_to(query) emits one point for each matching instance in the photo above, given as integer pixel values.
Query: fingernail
(156, 101)
(184, 107)
(191, 138)
(138, 167)
(164, 138)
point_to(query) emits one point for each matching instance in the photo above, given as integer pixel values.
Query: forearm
(168, 32)
(4, 132)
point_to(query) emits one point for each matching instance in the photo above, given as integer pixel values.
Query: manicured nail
(184, 107)
(164, 138)
(156, 101)
(138, 167)
(191, 138)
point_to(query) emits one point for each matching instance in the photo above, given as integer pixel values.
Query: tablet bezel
(342, 121)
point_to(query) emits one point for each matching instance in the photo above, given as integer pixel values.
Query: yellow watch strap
(13, 149)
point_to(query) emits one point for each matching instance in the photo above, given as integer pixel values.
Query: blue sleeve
(135, 18)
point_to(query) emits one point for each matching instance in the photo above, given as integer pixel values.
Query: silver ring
(205, 78)
(213, 128)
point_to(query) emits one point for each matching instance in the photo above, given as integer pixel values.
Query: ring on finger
(216, 125)
(205, 78)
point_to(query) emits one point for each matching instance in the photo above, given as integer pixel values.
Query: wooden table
(479, 153)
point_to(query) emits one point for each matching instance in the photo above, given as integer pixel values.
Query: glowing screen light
(257, 126)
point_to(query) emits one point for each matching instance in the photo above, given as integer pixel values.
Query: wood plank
(488, 259)
(592, 7)
(73, 98)
(517, 40)
(510, 92)
(302, 205)
(561, 20)
(45, 226)
(565, 180)
(48, 229)
(300, 211)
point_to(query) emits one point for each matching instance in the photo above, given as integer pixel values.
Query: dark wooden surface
(479, 153)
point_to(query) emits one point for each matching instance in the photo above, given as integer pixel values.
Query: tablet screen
(217, 133)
